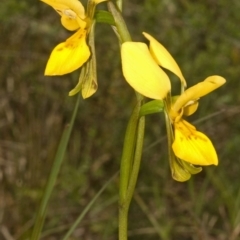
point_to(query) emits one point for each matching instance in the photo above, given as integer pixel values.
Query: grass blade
(87, 208)
(53, 175)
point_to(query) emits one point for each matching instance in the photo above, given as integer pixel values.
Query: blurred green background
(204, 38)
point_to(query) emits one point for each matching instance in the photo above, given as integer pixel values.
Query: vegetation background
(204, 38)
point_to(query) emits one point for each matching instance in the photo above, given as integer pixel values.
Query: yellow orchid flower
(141, 70)
(70, 55)
(189, 144)
(74, 52)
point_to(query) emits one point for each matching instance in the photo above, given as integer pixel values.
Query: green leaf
(151, 107)
(102, 16)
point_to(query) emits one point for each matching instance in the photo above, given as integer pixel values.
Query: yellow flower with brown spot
(74, 52)
(189, 144)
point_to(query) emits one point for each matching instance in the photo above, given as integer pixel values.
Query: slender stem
(53, 175)
(123, 222)
(132, 151)
(122, 30)
(170, 135)
(137, 160)
(128, 153)
(124, 205)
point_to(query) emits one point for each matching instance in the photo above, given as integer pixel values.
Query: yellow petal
(57, 5)
(63, 5)
(68, 56)
(142, 72)
(164, 58)
(99, 1)
(69, 23)
(198, 90)
(190, 109)
(193, 146)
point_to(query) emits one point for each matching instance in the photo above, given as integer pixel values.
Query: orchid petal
(193, 146)
(190, 109)
(142, 72)
(164, 58)
(198, 90)
(99, 1)
(68, 56)
(61, 5)
(70, 24)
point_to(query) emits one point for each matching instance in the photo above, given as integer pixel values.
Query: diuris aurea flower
(188, 146)
(74, 52)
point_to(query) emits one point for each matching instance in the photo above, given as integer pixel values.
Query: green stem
(122, 30)
(137, 160)
(128, 153)
(132, 150)
(123, 223)
(125, 203)
(53, 175)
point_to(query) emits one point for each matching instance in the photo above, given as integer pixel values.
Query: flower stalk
(133, 143)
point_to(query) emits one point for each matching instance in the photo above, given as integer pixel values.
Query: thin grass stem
(37, 228)
(87, 208)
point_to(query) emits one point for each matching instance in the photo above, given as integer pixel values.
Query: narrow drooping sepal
(181, 170)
